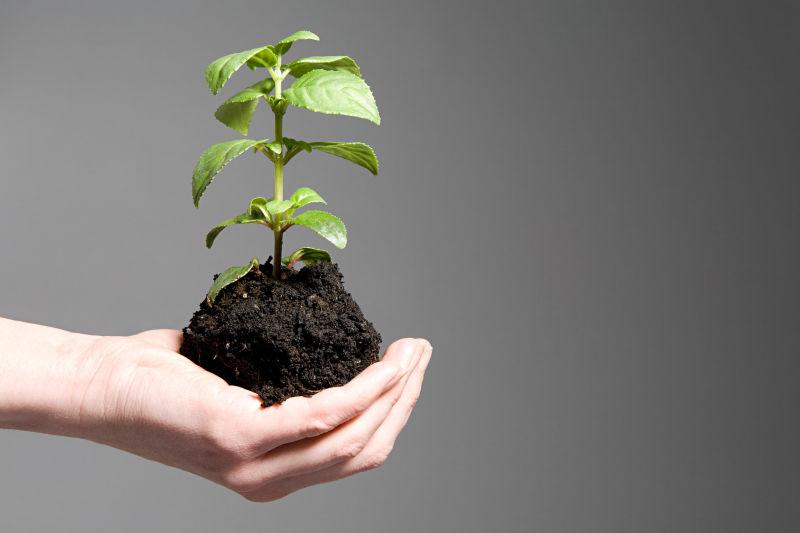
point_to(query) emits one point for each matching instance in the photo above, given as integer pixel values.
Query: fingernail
(411, 353)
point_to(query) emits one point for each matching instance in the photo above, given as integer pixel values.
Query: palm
(160, 405)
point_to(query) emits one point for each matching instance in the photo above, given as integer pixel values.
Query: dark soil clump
(282, 339)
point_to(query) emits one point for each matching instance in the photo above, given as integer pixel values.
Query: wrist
(44, 373)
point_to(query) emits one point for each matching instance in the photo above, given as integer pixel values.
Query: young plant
(324, 84)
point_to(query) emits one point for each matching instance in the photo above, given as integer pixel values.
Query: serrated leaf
(299, 35)
(302, 66)
(334, 92)
(325, 224)
(263, 59)
(237, 115)
(282, 46)
(307, 255)
(357, 152)
(277, 207)
(213, 161)
(230, 275)
(237, 111)
(304, 196)
(244, 218)
(219, 71)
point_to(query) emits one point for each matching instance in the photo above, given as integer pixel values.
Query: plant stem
(276, 260)
(279, 158)
(277, 231)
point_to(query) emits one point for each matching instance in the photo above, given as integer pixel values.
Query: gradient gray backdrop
(591, 209)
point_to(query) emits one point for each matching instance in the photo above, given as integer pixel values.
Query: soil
(284, 338)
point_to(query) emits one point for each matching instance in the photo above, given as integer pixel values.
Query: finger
(300, 418)
(323, 451)
(169, 339)
(373, 454)
(399, 416)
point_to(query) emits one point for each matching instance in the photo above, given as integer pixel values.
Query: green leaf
(327, 225)
(244, 218)
(231, 275)
(282, 46)
(265, 58)
(277, 207)
(307, 255)
(237, 115)
(267, 208)
(304, 196)
(334, 92)
(359, 153)
(219, 71)
(278, 105)
(258, 208)
(299, 35)
(237, 111)
(275, 147)
(213, 161)
(291, 144)
(302, 66)
(293, 147)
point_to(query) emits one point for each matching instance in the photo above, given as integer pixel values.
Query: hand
(143, 397)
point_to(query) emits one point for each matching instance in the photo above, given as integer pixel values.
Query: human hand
(145, 398)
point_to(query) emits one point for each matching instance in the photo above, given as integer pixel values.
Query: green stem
(277, 230)
(276, 260)
(279, 158)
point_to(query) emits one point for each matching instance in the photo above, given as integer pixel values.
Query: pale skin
(140, 395)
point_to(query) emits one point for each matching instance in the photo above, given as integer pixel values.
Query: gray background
(590, 208)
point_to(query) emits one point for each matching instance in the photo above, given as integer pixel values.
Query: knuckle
(241, 480)
(350, 401)
(412, 400)
(216, 433)
(348, 450)
(318, 424)
(328, 415)
(361, 399)
(375, 459)
(223, 440)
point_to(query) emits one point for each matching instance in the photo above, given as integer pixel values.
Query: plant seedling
(323, 84)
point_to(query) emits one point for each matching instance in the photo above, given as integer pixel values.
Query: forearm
(43, 374)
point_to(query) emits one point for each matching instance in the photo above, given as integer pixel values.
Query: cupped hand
(145, 398)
